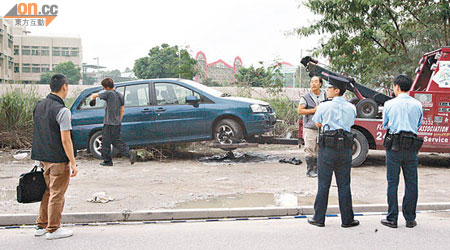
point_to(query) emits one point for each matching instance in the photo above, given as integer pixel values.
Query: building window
(45, 68)
(16, 50)
(56, 51)
(74, 52)
(10, 64)
(26, 68)
(45, 51)
(1, 61)
(16, 68)
(10, 43)
(26, 50)
(65, 52)
(35, 51)
(36, 68)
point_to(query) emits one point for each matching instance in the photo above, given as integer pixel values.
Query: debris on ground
(20, 156)
(100, 197)
(144, 155)
(236, 157)
(292, 160)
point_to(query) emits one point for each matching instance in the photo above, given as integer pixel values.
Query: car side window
(121, 90)
(99, 103)
(172, 94)
(136, 95)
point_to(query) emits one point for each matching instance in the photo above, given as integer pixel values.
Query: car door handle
(160, 110)
(146, 111)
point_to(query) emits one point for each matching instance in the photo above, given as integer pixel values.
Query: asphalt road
(432, 232)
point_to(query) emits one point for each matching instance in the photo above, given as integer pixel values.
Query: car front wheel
(228, 131)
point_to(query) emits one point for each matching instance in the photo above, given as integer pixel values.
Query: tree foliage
(270, 77)
(164, 62)
(69, 69)
(374, 40)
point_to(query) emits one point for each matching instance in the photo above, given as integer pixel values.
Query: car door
(137, 123)
(175, 119)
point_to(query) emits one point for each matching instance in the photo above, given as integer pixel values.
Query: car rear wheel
(228, 131)
(95, 146)
(360, 148)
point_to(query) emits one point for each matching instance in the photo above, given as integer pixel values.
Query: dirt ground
(182, 181)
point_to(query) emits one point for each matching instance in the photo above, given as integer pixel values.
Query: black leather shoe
(389, 223)
(315, 223)
(411, 224)
(132, 157)
(354, 223)
(106, 164)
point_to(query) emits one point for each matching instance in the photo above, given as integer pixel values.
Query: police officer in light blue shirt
(335, 119)
(402, 116)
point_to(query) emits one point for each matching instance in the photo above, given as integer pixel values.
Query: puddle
(257, 200)
(7, 194)
(244, 200)
(236, 157)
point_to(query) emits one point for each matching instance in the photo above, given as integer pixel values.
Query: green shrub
(286, 111)
(16, 117)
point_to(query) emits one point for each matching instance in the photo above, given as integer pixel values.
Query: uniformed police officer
(402, 116)
(335, 119)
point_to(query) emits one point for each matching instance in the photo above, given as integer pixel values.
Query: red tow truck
(431, 87)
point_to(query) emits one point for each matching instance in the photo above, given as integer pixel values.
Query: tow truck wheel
(228, 131)
(367, 108)
(354, 100)
(360, 148)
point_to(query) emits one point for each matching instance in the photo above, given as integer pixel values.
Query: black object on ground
(293, 160)
(235, 157)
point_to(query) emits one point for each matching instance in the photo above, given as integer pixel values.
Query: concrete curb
(212, 213)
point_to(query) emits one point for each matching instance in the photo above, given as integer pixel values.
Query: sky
(122, 31)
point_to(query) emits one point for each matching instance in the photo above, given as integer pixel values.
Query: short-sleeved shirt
(336, 114)
(316, 98)
(114, 101)
(403, 113)
(63, 118)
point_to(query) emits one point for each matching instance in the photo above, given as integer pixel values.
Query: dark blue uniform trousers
(407, 161)
(340, 162)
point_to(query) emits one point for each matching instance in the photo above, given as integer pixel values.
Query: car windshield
(206, 89)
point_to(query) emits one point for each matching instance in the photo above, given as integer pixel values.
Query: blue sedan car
(168, 111)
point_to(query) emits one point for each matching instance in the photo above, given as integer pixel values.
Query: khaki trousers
(57, 177)
(310, 138)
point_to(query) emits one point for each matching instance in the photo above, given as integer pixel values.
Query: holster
(337, 139)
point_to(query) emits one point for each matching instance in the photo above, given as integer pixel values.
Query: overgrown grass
(16, 117)
(286, 111)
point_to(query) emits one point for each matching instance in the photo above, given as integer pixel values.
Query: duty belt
(402, 141)
(337, 139)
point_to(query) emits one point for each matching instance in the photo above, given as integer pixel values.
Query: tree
(165, 62)
(374, 40)
(270, 78)
(66, 68)
(88, 80)
(112, 73)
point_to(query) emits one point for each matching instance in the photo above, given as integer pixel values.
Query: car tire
(360, 148)
(95, 146)
(367, 108)
(228, 131)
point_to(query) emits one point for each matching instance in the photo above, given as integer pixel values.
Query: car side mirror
(193, 100)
